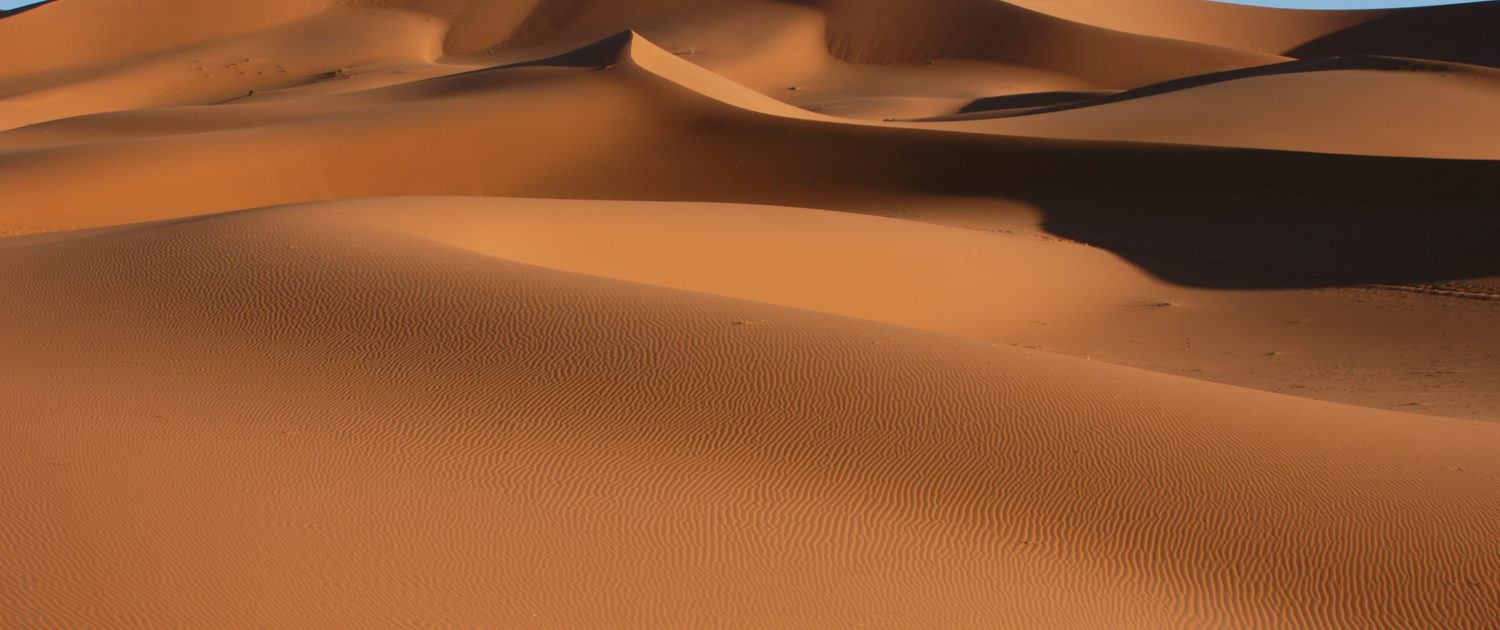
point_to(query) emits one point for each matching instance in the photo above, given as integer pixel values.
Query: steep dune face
(678, 457)
(1030, 314)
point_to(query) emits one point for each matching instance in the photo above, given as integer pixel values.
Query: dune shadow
(1259, 219)
(1049, 102)
(1209, 217)
(1016, 104)
(1197, 216)
(597, 55)
(1463, 33)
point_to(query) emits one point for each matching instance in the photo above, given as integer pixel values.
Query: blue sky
(1294, 4)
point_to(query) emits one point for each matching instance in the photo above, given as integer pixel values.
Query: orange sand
(748, 314)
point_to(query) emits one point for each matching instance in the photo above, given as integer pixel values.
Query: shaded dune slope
(1055, 491)
(1463, 33)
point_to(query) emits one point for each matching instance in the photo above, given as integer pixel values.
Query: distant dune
(748, 313)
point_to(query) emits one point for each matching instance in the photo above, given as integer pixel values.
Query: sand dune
(1441, 110)
(649, 445)
(631, 132)
(1467, 35)
(1275, 31)
(996, 287)
(747, 313)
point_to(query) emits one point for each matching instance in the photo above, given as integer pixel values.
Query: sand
(747, 314)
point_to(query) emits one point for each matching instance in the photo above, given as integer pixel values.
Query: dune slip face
(748, 314)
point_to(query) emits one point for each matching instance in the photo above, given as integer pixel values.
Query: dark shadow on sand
(1463, 33)
(1049, 102)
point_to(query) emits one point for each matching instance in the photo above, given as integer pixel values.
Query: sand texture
(748, 314)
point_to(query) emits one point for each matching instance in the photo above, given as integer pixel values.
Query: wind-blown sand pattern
(748, 314)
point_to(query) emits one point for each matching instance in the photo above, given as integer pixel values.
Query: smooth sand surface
(1434, 110)
(748, 314)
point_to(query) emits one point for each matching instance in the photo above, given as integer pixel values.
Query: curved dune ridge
(748, 313)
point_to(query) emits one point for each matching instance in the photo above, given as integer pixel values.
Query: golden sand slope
(340, 422)
(952, 314)
(1014, 289)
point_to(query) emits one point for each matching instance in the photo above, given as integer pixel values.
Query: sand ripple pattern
(297, 418)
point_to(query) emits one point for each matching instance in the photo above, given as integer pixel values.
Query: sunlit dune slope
(658, 457)
(1015, 289)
